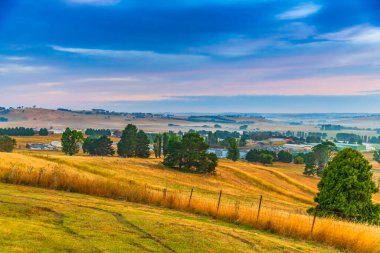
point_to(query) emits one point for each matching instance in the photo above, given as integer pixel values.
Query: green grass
(38, 220)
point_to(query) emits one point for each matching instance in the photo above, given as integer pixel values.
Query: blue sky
(191, 56)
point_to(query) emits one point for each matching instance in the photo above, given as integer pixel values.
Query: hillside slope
(37, 220)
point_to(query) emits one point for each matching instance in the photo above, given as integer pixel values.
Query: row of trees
(268, 157)
(17, 131)
(97, 132)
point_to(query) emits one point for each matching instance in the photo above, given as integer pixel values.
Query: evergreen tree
(43, 132)
(346, 188)
(284, 156)
(190, 154)
(233, 150)
(7, 144)
(266, 158)
(142, 145)
(71, 140)
(100, 146)
(128, 141)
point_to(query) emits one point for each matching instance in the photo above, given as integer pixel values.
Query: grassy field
(38, 220)
(286, 192)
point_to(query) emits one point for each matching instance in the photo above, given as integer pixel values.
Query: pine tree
(142, 145)
(346, 188)
(128, 141)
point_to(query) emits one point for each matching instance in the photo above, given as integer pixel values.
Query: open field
(286, 192)
(37, 220)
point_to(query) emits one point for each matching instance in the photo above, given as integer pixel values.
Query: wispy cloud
(127, 54)
(18, 68)
(356, 34)
(301, 11)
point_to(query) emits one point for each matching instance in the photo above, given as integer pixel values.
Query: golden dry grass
(142, 181)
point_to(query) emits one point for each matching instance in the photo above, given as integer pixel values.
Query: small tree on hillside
(310, 164)
(299, 160)
(266, 158)
(142, 145)
(323, 153)
(71, 140)
(43, 132)
(346, 189)
(7, 144)
(233, 150)
(190, 154)
(284, 156)
(100, 146)
(128, 141)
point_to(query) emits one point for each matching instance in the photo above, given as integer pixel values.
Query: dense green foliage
(142, 145)
(98, 146)
(284, 156)
(299, 160)
(265, 158)
(233, 150)
(254, 155)
(71, 140)
(97, 132)
(43, 132)
(7, 144)
(190, 154)
(133, 143)
(128, 141)
(165, 143)
(17, 131)
(346, 189)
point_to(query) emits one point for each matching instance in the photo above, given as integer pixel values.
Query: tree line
(17, 131)
(97, 132)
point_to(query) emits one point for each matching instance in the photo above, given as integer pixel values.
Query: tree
(266, 158)
(127, 144)
(43, 132)
(157, 146)
(71, 140)
(299, 160)
(190, 154)
(310, 164)
(323, 154)
(346, 189)
(165, 143)
(376, 156)
(233, 150)
(284, 156)
(7, 144)
(99, 146)
(254, 155)
(142, 145)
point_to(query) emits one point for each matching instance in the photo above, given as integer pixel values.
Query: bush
(7, 144)
(284, 156)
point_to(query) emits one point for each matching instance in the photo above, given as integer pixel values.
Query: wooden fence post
(164, 193)
(220, 196)
(191, 195)
(315, 217)
(258, 211)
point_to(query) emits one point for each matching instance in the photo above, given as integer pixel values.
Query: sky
(191, 56)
